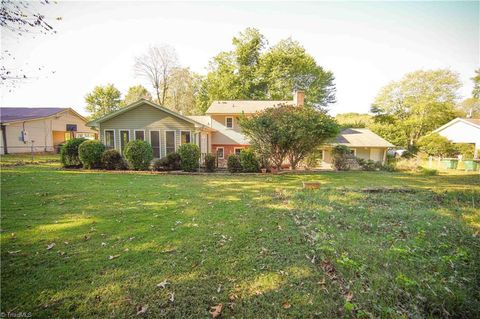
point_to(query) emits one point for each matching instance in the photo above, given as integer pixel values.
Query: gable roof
(127, 108)
(472, 122)
(239, 107)
(360, 137)
(15, 114)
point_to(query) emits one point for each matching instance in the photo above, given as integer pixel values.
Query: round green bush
(69, 153)
(249, 161)
(210, 162)
(90, 153)
(139, 154)
(233, 164)
(190, 156)
(112, 160)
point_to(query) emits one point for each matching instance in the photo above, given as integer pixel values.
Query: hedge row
(90, 154)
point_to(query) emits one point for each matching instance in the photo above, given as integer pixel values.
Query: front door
(155, 142)
(124, 139)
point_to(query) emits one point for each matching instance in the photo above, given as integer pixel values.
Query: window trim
(229, 117)
(189, 132)
(174, 140)
(237, 148)
(223, 152)
(120, 137)
(159, 140)
(114, 138)
(135, 135)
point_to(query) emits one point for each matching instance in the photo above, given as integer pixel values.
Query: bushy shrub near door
(189, 157)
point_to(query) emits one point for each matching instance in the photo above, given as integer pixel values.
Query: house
(25, 129)
(362, 142)
(163, 128)
(462, 130)
(224, 117)
(216, 132)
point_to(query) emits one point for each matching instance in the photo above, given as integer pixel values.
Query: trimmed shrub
(369, 165)
(90, 153)
(249, 161)
(210, 162)
(139, 154)
(69, 153)
(112, 160)
(233, 164)
(189, 157)
(171, 162)
(341, 155)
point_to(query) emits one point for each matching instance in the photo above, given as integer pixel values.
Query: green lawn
(259, 245)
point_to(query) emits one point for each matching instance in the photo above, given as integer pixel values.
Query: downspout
(4, 136)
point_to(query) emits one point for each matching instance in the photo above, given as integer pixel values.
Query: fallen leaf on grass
(232, 297)
(14, 252)
(348, 296)
(50, 246)
(113, 257)
(104, 244)
(215, 311)
(286, 305)
(142, 310)
(171, 297)
(86, 237)
(163, 284)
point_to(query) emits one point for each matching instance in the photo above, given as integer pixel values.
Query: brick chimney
(298, 97)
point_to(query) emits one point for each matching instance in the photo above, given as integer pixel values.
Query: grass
(259, 245)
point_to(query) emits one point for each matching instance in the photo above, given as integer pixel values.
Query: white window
(124, 139)
(170, 143)
(109, 139)
(220, 153)
(140, 135)
(229, 122)
(185, 137)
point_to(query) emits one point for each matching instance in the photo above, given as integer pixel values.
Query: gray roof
(360, 137)
(239, 107)
(13, 114)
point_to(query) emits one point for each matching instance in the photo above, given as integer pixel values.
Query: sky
(365, 44)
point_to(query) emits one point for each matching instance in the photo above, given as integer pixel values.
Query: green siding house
(164, 129)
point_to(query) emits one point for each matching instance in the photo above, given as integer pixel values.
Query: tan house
(362, 142)
(216, 132)
(26, 129)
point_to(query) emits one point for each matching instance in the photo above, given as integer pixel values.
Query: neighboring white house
(462, 130)
(25, 129)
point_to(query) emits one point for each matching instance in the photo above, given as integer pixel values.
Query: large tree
(420, 102)
(287, 67)
(103, 100)
(288, 132)
(470, 107)
(182, 92)
(156, 66)
(136, 93)
(252, 71)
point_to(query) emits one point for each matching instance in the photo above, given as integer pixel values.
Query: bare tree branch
(156, 66)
